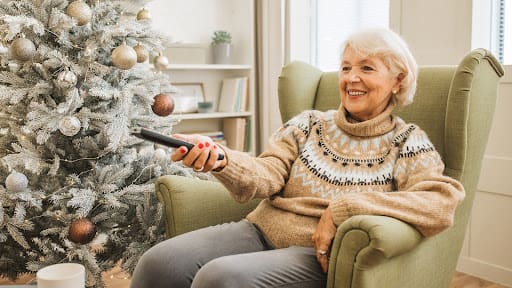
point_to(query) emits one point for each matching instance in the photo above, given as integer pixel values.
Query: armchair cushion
(191, 204)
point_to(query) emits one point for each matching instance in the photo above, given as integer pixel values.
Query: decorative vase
(222, 53)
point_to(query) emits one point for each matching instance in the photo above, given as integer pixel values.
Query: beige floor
(118, 279)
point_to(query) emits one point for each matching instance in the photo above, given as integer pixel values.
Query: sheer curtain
(269, 60)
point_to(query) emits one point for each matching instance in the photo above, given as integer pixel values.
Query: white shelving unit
(235, 16)
(207, 67)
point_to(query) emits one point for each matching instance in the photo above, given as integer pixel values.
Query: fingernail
(214, 146)
(183, 150)
(200, 145)
(207, 144)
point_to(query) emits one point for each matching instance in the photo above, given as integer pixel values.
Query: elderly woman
(318, 170)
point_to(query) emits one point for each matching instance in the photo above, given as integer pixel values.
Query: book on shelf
(233, 95)
(235, 133)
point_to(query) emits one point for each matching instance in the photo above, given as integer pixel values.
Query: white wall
(438, 31)
(193, 21)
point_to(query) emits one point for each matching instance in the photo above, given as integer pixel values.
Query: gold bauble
(142, 53)
(124, 57)
(22, 49)
(161, 62)
(80, 11)
(143, 14)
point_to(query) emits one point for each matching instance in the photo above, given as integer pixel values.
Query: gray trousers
(232, 255)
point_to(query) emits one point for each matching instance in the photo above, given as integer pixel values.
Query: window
(318, 27)
(492, 27)
(501, 39)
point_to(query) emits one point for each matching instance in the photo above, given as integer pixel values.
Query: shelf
(213, 115)
(207, 67)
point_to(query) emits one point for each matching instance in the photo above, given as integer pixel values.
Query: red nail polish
(214, 146)
(183, 150)
(207, 144)
(200, 145)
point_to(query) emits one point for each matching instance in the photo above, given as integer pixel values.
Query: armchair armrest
(367, 241)
(190, 204)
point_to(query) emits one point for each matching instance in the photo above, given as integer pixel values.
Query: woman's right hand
(202, 157)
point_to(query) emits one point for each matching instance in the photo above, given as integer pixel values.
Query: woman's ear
(398, 84)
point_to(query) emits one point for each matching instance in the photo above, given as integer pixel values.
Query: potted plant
(222, 47)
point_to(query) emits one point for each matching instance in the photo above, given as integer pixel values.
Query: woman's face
(366, 85)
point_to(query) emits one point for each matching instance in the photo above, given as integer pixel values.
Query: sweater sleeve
(425, 198)
(248, 177)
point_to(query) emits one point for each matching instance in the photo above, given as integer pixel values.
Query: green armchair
(453, 104)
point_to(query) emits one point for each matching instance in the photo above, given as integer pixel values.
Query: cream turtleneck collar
(379, 125)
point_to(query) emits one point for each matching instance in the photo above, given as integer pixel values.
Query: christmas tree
(75, 186)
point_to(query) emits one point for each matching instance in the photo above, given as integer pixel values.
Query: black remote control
(162, 139)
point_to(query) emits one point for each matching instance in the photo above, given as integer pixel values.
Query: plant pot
(222, 53)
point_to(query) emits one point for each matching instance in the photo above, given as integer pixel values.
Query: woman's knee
(159, 266)
(222, 272)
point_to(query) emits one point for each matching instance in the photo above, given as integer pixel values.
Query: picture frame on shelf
(187, 97)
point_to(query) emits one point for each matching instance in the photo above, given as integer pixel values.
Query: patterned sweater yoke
(382, 166)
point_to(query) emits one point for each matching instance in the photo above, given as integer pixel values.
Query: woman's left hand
(322, 238)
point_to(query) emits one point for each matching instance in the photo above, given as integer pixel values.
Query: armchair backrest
(453, 104)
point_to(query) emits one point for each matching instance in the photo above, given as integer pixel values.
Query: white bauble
(161, 62)
(69, 125)
(124, 57)
(16, 182)
(66, 79)
(160, 154)
(80, 11)
(22, 49)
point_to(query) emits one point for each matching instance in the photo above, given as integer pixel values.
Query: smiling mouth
(355, 93)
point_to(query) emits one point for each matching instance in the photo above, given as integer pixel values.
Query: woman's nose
(353, 76)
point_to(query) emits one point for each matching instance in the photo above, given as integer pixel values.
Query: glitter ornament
(161, 62)
(124, 57)
(80, 11)
(82, 231)
(163, 105)
(142, 53)
(69, 125)
(66, 79)
(22, 49)
(143, 14)
(16, 182)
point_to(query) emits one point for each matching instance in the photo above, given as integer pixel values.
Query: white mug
(65, 275)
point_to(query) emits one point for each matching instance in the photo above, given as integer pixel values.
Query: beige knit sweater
(382, 166)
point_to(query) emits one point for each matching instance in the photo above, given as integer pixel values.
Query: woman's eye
(367, 68)
(345, 68)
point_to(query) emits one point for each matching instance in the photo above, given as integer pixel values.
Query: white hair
(394, 52)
